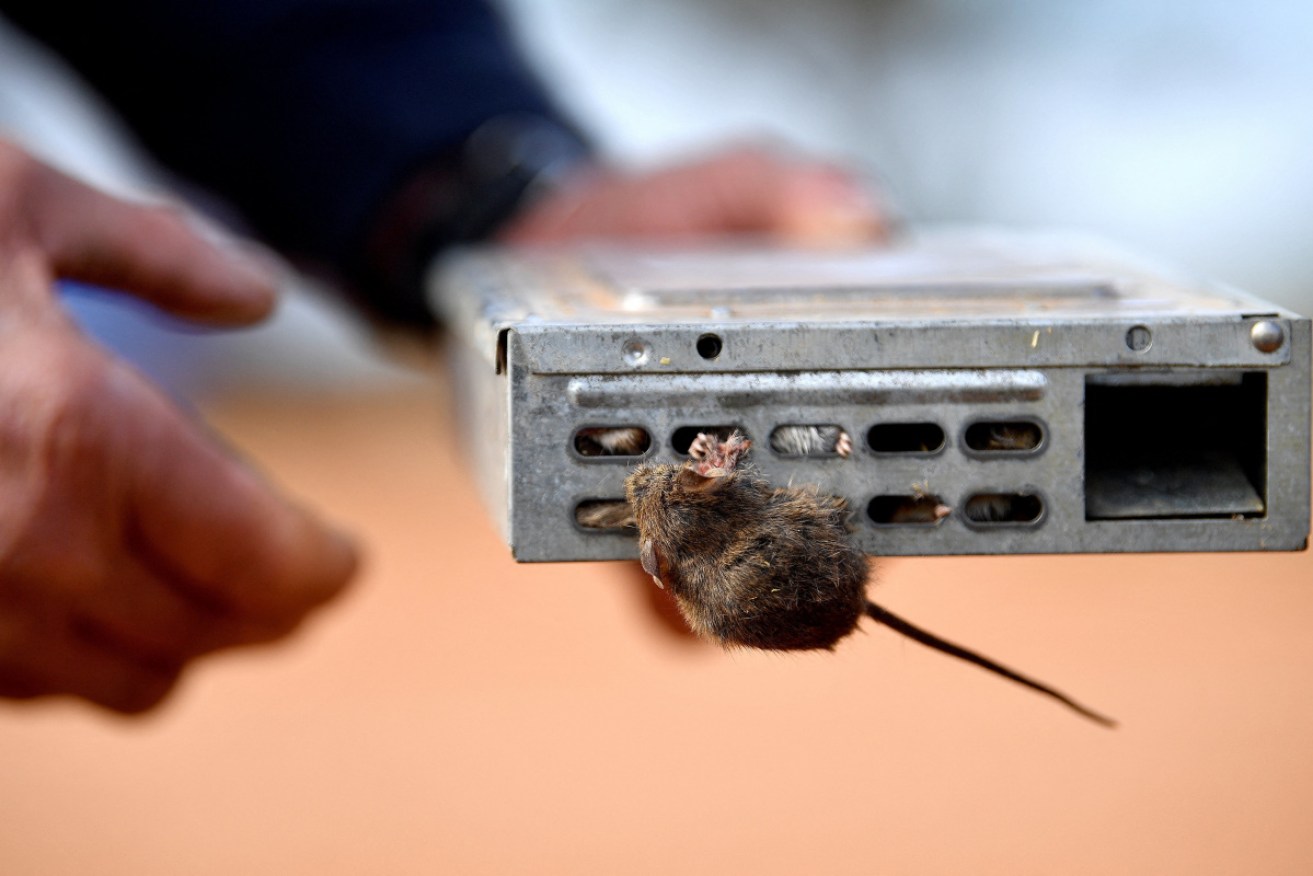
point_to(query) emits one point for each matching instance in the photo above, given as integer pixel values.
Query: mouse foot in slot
(717, 459)
(844, 445)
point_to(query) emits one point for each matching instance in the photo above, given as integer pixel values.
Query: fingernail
(261, 273)
(258, 274)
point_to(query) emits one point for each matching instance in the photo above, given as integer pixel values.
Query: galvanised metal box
(1001, 392)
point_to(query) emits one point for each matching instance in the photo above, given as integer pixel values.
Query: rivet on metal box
(968, 392)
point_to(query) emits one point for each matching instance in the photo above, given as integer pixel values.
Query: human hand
(739, 191)
(131, 542)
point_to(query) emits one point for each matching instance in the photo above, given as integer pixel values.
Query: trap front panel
(1000, 393)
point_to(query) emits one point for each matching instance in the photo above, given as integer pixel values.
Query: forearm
(311, 117)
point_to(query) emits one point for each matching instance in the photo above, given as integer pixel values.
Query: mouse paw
(701, 446)
(718, 459)
(844, 446)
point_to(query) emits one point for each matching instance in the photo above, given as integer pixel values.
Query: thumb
(153, 252)
(798, 200)
(819, 207)
(204, 520)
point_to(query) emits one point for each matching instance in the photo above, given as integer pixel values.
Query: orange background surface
(457, 713)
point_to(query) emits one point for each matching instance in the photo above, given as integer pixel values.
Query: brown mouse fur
(759, 566)
(749, 564)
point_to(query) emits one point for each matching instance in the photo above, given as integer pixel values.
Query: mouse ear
(653, 563)
(647, 556)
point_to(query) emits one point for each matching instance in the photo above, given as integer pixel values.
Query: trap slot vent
(906, 510)
(604, 515)
(1003, 437)
(910, 438)
(1003, 509)
(683, 437)
(807, 440)
(617, 441)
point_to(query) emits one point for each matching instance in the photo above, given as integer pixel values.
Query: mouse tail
(930, 640)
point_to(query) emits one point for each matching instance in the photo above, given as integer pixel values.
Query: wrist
(463, 196)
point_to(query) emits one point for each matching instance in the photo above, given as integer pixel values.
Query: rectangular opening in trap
(1169, 446)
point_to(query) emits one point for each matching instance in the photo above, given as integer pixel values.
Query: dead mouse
(759, 566)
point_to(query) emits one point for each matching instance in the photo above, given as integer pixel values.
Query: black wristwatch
(463, 196)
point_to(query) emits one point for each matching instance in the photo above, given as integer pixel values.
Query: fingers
(131, 531)
(742, 191)
(143, 615)
(153, 252)
(820, 206)
(797, 200)
(207, 524)
(123, 645)
(59, 661)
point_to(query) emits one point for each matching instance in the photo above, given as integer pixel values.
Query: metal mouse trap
(967, 392)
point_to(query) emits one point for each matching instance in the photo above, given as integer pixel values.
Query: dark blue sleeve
(305, 114)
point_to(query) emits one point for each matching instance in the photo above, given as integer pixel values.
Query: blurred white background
(1180, 129)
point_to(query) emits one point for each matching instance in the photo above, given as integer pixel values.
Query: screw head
(636, 352)
(1267, 336)
(1139, 338)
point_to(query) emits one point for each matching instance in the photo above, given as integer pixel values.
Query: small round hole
(709, 346)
